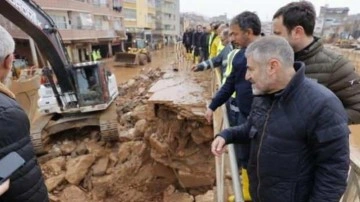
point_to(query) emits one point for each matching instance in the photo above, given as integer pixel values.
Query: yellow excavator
(70, 96)
(138, 54)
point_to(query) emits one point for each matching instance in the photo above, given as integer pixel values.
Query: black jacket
(196, 39)
(299, 144)
(27, 183)
(187, 38)
(204, 38)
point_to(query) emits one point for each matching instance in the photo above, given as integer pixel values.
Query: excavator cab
(91, 80)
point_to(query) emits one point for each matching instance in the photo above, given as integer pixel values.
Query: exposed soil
(162, 154)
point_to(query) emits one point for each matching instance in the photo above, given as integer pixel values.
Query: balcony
(69, 35)
(131, 5)
(70, 5)
(73, 34)
(151, 10)
(150, 25)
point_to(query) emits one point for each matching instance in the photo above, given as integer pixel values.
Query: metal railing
(352, 192)
(220, 116)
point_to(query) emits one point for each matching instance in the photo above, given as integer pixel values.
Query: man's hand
(209, 115)
(4, 187)
(198, 67)
(217, 146)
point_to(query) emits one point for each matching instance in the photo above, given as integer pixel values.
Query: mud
(163, 152)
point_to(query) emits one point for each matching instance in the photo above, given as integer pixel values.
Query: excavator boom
(82, 95)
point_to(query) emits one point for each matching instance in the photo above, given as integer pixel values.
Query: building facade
(139, 18)
(85, 25)
(191, 20)
(330, 21)
(167, 20)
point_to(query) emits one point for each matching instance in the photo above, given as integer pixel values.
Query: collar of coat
(6, 91)
(295, 81)
(310, 50)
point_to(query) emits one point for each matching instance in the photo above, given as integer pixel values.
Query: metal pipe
(233, 164)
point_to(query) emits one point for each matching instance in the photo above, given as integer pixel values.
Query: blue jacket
(299, 143)
(235, 82)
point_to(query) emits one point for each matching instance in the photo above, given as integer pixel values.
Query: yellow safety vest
(220, 47)
(229, 67)
(211, 40)
(214, 47)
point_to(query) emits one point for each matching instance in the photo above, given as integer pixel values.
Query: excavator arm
(30, 18)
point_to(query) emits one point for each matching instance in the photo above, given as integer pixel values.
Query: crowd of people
(289, 101)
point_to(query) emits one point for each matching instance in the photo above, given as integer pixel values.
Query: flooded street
(160, 59)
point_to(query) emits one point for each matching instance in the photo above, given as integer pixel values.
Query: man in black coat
(204, 44)
(196, 43)
(297, 129)
(187, 41)
(27, 183)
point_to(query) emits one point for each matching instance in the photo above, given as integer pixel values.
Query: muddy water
(355, 142)
(160, 59)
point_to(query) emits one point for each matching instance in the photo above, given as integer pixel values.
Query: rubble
(162, 154)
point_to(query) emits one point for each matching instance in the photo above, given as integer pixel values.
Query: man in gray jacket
(295, 22)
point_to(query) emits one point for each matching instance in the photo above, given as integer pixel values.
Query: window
(118, 25)
(117, 5)
(130, 13)
(100, 3)
(150, 18)
(60, 21)
(151, 3)
(169, 27)
(98, 22)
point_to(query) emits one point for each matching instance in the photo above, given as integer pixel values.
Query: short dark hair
(216, 26)
(298, 14)
(248, 20)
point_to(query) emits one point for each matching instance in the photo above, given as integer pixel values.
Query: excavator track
(109, 124)
(37, 133)
(46, 125)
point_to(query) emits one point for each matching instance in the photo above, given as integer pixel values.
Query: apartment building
(85, 25)
(188, 20)
(139, 18)
(167, 20)
(330, 20)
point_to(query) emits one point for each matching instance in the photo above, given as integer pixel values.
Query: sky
(264, 8)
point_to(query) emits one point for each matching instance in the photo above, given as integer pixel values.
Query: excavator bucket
(126, 59)
(26, 89)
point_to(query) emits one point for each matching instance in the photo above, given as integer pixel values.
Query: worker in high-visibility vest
(220, 45)
(224, 61)
(211, 36)
(98, 54)
(244, 28)
(221, 60)
(94, 55)
(214, 43)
